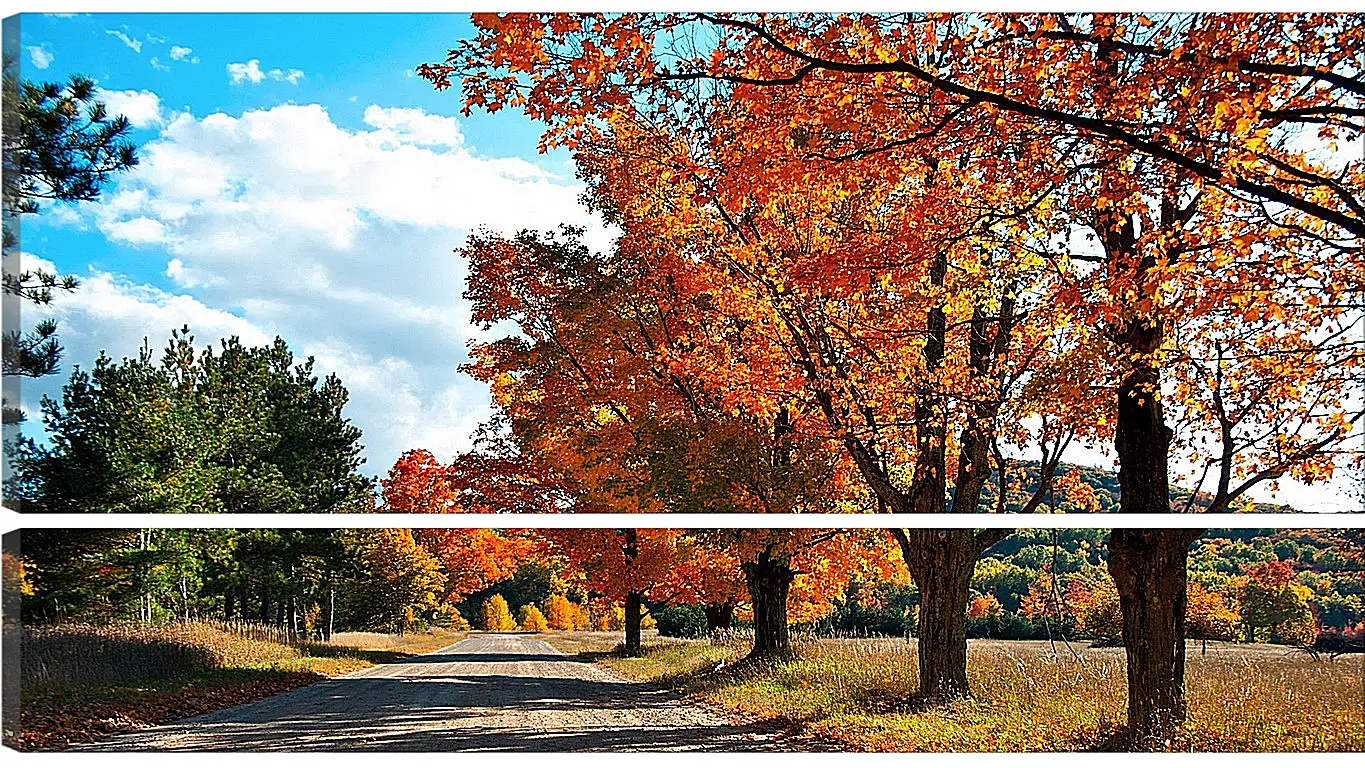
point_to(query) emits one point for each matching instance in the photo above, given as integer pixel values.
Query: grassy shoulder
(88, 682)
(1028, 696)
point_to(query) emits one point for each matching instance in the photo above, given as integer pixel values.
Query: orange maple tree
(638, 568)
(1182, 143)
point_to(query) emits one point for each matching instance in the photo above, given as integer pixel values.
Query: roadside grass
(79, 682)
(859, 694)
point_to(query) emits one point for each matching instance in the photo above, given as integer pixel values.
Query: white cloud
(136, 45)
(142, 108)
(183, 53)
(251, 72)
(338, 240)
(40, 56)
(139, 231)
(157, 65)
(414, 126)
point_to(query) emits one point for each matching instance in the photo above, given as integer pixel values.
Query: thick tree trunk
(719, 617)
(633, 619)
(941, 563)
(769, 580)
(1141, 438)
(1149, 568)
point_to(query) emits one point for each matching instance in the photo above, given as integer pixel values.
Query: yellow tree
(531, 619)
(562, 614)
(494, 616)
(402, 579)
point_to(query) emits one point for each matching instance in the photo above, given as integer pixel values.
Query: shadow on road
(415, 705)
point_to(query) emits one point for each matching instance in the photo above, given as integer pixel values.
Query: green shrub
(681, 621)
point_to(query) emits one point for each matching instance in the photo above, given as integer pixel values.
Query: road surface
(488, 692)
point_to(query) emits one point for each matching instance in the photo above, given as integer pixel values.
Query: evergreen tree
(237, 430)
(60, 144)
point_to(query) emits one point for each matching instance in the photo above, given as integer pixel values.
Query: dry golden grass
(1028, 696)
(80, 682)
(418, 642)
(74, 654)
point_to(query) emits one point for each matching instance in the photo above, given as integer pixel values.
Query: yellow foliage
(495, 617)
(531, 619)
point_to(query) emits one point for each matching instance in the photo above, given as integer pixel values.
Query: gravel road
(485, 693)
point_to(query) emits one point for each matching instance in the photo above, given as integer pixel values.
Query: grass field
(1028, 696)
(79, 682)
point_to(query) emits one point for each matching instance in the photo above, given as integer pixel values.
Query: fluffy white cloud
(338, 240)
(183, 53)
(135, 44)
(415, 126)
(245, 72)
(40, 56)
(142, 108)
(251, 72)
(389, 395)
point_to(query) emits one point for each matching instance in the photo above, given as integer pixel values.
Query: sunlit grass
(860, 694)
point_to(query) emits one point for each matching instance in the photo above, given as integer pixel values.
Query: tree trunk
(1141, 437)
(719, 617)
(331, 609)
(769, 580)
(941, 563)
(1149, 569)
(633, 618)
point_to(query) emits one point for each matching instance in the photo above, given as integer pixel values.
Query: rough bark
(634, 615)
(941, 562)
(1148, 566)
(769, 579)
(719, 617)
(1149, 569)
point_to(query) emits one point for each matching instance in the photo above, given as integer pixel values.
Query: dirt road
(488, 692)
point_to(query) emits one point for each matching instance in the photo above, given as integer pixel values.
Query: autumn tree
(491, 478)
(531, 619)
(475, 558)
(562, 614)
(1162, 137)
(636, 568)
(495, 617)
(793, 575)
(402, 580)
(983, 606)
(1270, 600)
(1093, 599)
(1209, 616)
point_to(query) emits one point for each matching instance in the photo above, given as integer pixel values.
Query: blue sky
(297, 179)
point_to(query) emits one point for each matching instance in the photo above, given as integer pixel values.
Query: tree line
(1282, 587)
